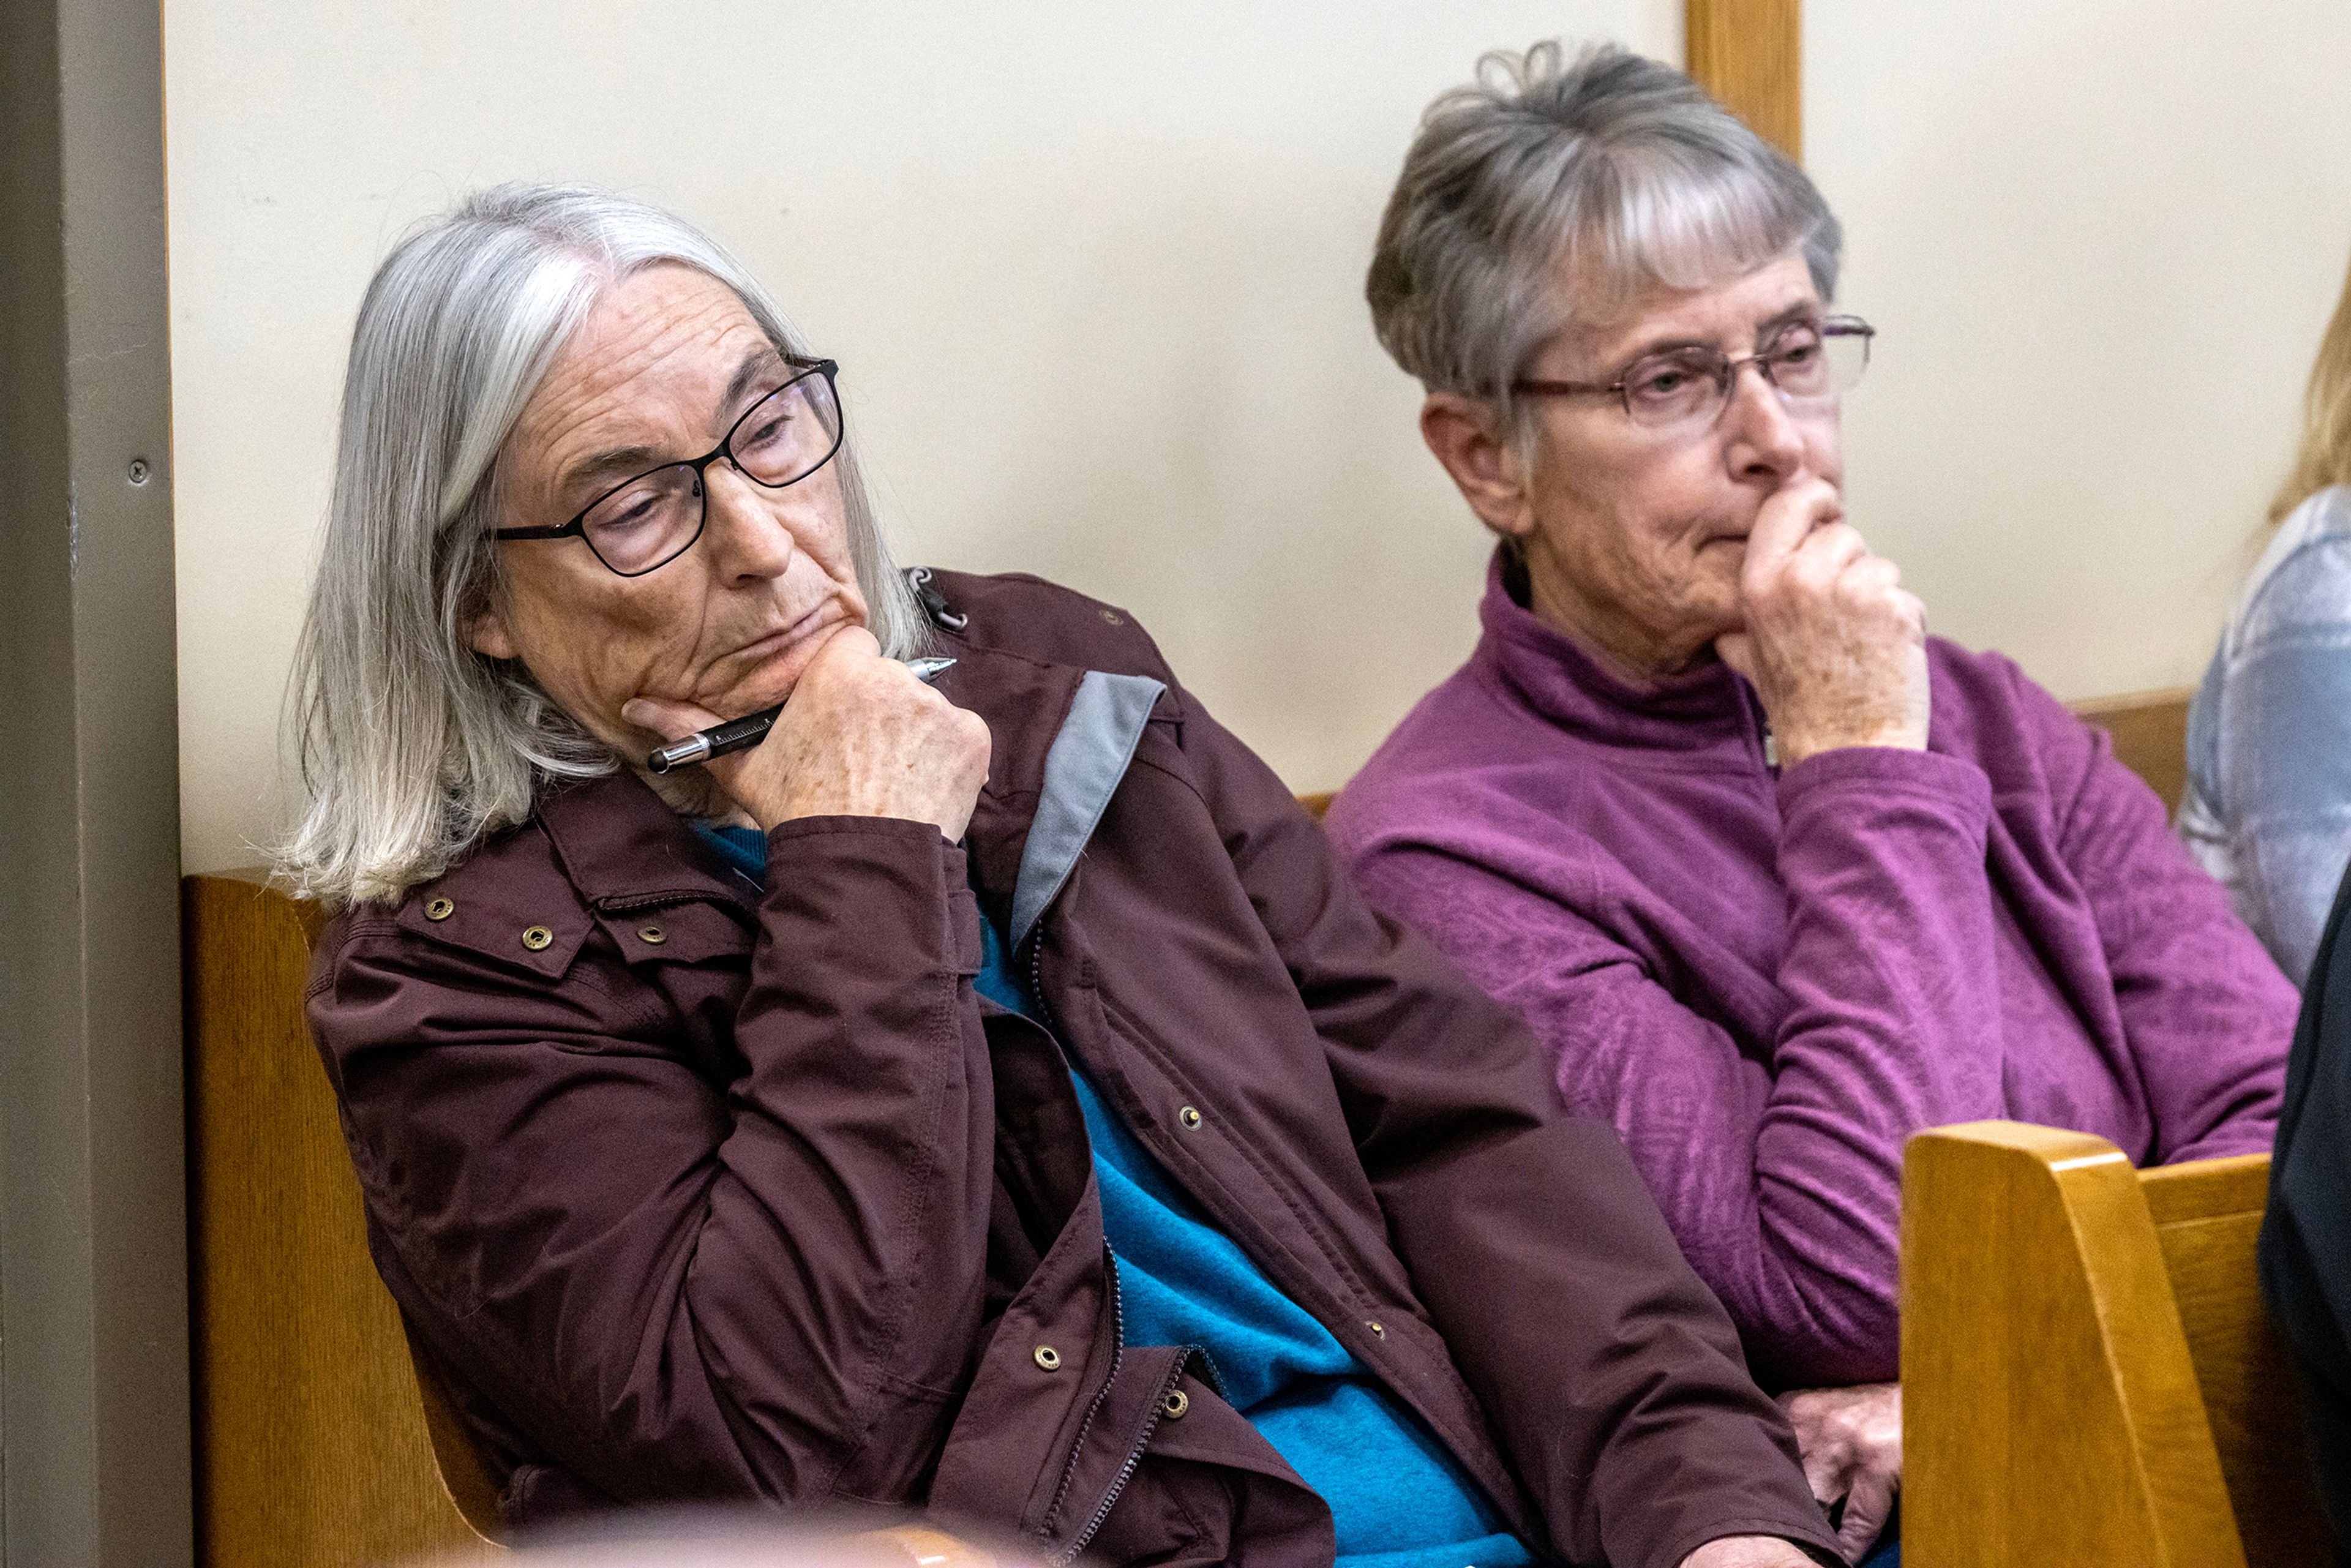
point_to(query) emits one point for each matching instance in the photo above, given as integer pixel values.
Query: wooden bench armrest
(2051, 1411)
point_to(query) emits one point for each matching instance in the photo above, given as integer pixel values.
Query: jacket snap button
(652, 934)
(1190, 1116)
(537, 938)
(440, 909)
(1176, 1403)
(1378, 1328)
(1048, 1357)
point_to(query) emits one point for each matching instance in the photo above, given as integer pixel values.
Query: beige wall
(1094, 274)
(2100, 239)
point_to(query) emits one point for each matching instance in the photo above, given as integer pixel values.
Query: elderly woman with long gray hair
(985, 1097)
(1777, 878)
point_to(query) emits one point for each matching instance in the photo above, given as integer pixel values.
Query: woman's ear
(485, 632)
(1466, 436)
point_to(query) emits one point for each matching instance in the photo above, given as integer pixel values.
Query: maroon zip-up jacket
(697, 1192)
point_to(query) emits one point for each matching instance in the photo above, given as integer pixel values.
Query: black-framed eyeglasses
(1810, 362)
(645, 523)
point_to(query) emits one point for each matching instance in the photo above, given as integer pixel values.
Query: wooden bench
(315, 1430)
(318, 1438)
(2149, 730)
(2088, 1375)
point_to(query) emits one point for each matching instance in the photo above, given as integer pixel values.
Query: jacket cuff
(843, 882)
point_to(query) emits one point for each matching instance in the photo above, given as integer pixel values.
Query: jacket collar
(622, 845)
(1024, 702)
(1084, 768)
(1709, 709)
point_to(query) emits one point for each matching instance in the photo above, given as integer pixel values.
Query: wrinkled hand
(859, 736)
(1835, 646)
(1851, 1442)
(1748, 1552)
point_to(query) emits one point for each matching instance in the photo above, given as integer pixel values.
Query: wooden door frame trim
(1750, 54)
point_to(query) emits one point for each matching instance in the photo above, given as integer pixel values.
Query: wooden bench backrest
(2088, 1375)
(2149, 730)
(314, 1435)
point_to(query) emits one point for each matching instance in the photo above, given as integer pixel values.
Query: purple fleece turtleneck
(1766, 980)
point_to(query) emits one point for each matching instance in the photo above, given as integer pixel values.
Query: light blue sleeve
(2282, 747)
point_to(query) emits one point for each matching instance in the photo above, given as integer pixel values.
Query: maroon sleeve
(680, 1291)
(1612, 1377)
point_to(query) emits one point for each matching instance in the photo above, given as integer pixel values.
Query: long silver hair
(412, 745)
(1616, 169)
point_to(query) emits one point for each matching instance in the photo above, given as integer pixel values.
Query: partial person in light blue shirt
(2268, 805)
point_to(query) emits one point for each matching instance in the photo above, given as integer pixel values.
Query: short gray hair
(1614, 166)
(413, 746)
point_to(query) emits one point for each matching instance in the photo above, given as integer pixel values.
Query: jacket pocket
(1208, 1488)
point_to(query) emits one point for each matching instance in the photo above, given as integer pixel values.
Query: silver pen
(742, 734)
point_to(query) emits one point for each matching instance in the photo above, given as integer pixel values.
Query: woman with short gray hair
(854, 1042)
(1777, 877)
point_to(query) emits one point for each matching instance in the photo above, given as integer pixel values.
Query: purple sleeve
(2206, 1011)
(1782, 1179)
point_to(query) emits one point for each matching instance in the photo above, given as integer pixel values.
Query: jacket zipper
(1077, 1448)
(1117, 1326)
(1117, 1350)
(1133, 1458)
(1068, 1553)
(1037, 973)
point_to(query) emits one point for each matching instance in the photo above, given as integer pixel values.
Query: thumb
(1737, 649)
(1866, 1511)
(670, 719)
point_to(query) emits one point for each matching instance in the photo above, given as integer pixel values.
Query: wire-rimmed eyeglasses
(1810, 362)
(645, 523)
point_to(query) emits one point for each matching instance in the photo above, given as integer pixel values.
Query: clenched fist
(1835, 646)
(859, 736)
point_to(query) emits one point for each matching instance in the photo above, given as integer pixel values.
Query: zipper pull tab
(1771, 746)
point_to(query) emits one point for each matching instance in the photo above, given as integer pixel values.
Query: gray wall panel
(94, 1441)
